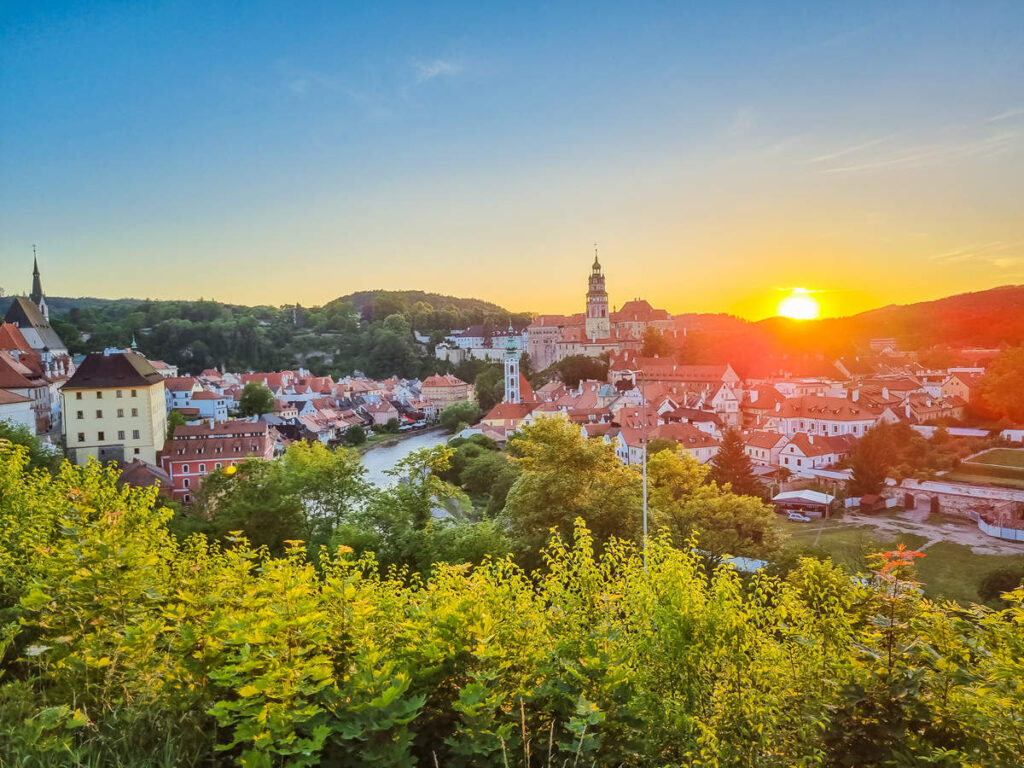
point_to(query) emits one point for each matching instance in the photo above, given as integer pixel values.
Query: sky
(718, 154)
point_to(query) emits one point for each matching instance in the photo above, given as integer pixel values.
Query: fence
(1010, 534)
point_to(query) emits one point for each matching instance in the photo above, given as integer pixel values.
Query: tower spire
(37, 286)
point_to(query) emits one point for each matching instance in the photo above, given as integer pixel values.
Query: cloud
(428, 70)
(1009, 114)
(742, 123)
(933, 154)
(850, 150)
(993, 253)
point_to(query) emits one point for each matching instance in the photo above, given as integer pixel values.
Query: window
(120, 434)
(218, 465)
(135, 393)
(135, 434)
(99, 395)
(78, 395)
(799, 462)
(81, 437)
(136, 451)
(187, 497)
(202, 467)
(185, 482)
(135, 411)
(100, 436)
(99, 414)
(119, 393)
(81, 414)
(120, 413)
(184, 467)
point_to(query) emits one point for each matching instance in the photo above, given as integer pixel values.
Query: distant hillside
(984, 318)
(361, 300)
(62, 304)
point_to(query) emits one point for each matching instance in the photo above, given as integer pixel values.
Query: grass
(967, 477)
(1003, 457)
(948, 570)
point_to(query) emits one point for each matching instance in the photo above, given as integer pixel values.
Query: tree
(683, 503)
(355, 435)
(999, 581)
(661, 444)
(656, 344)
(40, 455)
(564, 476)
(391, 426)
(175, 419)
(459, 415)
(732, 465)
(576, 368)
(1000, 390)
(489, 386)
(256, 399)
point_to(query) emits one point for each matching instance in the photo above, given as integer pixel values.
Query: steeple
(37, 286)
(513, 391)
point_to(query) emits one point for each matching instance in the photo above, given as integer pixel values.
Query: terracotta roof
(763, 439)
(207, 395)
(510, 411)
(24, 313)
(180, 383)
(225, 429)
(828, 408)
(142, 474)
(10, 398)
(14, 374)
(11, 337)
(638, 310)
(446, 380)
(116, 370)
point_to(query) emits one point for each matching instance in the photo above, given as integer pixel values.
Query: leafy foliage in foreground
(120, 645)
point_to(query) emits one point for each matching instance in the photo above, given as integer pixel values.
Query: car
(799, 517)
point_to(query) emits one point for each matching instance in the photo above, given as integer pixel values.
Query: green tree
(489, 386)
(40, 455)
(355, 435)
(1001, 392)
(256, 399)
(661, 444)
(656, 344)
(175, 419)
(459, 415)
(732, 465)
(683, 503)
(564, 476)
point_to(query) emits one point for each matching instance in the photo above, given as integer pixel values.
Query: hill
(406, 300)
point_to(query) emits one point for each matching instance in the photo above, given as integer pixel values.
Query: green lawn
(967, 477)
(1003, 457)
(948, 570)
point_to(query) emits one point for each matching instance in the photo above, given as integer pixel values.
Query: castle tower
(513, 393)
(37, 296)
(598, 322)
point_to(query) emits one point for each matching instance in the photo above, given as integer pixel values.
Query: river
(378, 460)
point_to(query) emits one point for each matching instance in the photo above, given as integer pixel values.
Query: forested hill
(382, 300)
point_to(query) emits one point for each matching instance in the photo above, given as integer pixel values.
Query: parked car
(799, 517)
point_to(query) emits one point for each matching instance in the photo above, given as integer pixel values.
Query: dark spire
(37, 287)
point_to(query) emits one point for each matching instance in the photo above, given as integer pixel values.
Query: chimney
(810, 438)
(753, 395)
(885, 393)
(778, 406)
(855, 394)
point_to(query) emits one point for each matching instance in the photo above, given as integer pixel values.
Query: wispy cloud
(934, 153)
(1009, 114)
(428, 70)
(997, 253)
(850, 150)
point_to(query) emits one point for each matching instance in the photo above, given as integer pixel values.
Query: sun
(799, 305)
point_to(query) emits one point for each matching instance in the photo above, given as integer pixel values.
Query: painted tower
(513, 393)
(598, 323)
(37, 297)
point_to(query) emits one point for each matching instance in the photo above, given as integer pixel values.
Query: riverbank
(386, 441)
(384, 454)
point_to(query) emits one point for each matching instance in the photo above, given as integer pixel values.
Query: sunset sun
(799, 305)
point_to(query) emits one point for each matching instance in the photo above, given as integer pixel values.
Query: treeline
(123, 644)
(374, 336)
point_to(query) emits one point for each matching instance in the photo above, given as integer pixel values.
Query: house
(808, 451)
(381, 411)
(18, 378)
(178, 391)
(196, 451)
(828, 416)
(164, 369)
(17, 409)
(962, 385)
(445, 389)
(920, 408)
(114, 409)
(509, 416)
(629, 443)
(764, 448)
(142, 474)
(211, 405)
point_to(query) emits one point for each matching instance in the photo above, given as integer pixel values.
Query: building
(32, 316)
(808, 451)
(598, 323)
(18, 378)
(196, 451)
(114, 409)
(17, 409)
(764, 448)
(179, 390)
(444, 390)
(828, 416)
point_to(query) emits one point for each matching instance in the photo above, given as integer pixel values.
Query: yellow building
(114, 409)
(444, 390)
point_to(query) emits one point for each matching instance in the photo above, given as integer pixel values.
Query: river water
(378, 460)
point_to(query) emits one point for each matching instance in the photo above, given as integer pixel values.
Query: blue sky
(718, 152)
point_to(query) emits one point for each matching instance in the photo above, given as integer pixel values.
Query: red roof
(11, 337)
(446, 380)
(180, 383)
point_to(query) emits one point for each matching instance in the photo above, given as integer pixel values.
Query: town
(797, 431)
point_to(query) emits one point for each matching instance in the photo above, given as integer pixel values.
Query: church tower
(37, 296)
(513, 393)
(598, 323)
